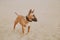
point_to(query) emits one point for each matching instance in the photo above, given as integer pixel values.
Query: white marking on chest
(28, 24)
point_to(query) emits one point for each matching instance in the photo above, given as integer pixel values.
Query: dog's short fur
(24, 21)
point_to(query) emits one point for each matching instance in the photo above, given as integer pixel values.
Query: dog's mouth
(35, 19)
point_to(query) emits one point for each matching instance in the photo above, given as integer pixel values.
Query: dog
(25, 20)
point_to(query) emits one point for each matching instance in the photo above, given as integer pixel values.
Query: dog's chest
(28, 24)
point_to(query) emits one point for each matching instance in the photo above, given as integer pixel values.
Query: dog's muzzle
(35, 19)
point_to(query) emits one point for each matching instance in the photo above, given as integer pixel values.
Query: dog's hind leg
(15, 23)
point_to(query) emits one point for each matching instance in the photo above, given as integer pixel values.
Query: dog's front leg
(28, 29)
(23, 29)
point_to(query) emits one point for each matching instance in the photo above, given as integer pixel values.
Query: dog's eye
(33, 15)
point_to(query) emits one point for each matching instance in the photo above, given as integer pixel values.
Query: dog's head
(31, 16)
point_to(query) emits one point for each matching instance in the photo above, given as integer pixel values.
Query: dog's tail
(16, 13)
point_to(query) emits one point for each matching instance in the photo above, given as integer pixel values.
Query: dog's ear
(33, 10)
(30, 11)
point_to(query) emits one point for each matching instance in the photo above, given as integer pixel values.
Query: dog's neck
(28, 19)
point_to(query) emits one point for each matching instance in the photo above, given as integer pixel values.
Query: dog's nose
(35, 19)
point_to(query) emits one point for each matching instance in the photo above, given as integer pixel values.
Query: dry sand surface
(46, 28)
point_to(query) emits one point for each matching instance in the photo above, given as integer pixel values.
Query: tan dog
(25, 20)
